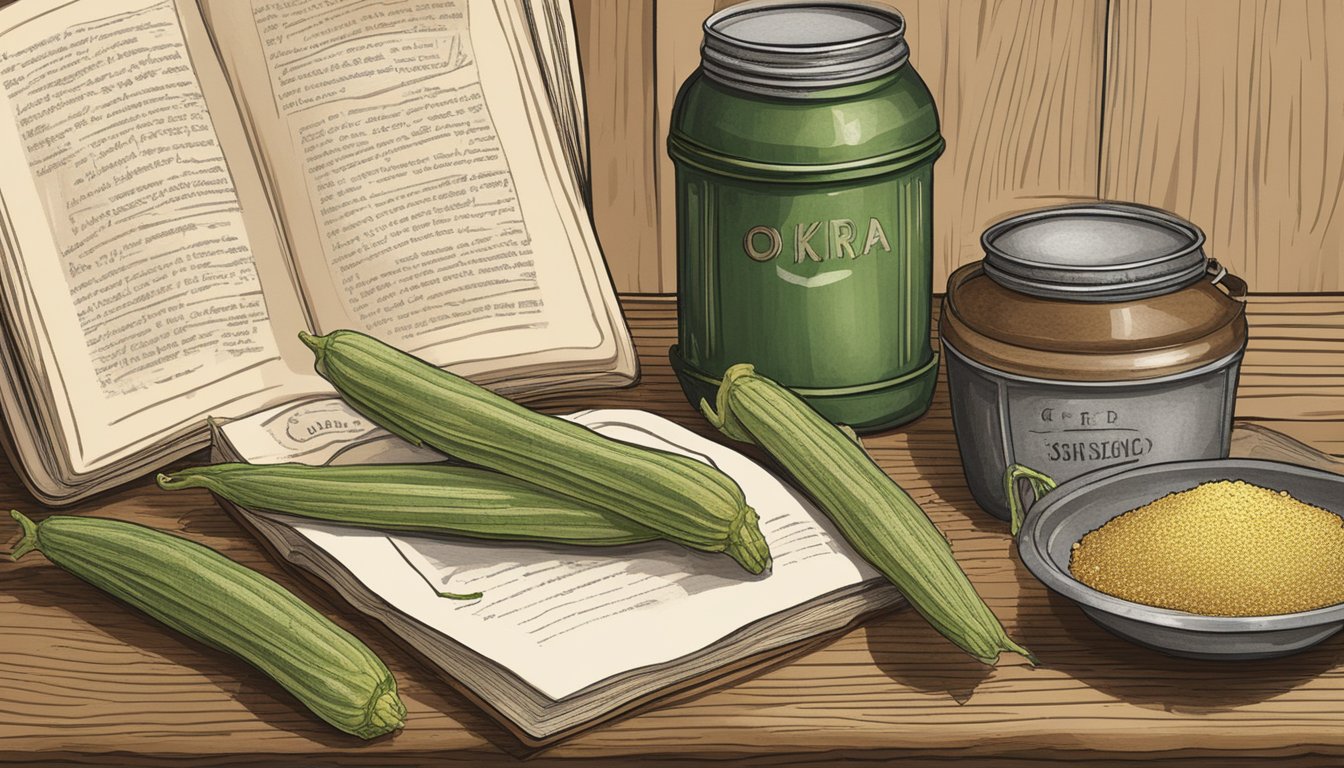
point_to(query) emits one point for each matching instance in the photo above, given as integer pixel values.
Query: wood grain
(677, 32)
(1230, 115)
(84, 680)
(1018, 88)
(616, 52)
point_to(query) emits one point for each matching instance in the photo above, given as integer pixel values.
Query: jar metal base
(866, 408)
(1068, 428)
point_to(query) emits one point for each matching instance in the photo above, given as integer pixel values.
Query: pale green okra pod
(875, 515)
(429, 498)
(210, 598)
(684, 500)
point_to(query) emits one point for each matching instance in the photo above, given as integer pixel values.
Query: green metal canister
(804, 148)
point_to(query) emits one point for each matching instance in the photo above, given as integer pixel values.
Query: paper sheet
(564, 618)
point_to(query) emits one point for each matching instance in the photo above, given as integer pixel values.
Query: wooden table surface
(84, 680)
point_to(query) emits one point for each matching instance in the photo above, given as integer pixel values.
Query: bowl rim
(1030, 547)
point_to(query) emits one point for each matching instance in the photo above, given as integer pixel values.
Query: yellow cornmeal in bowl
(1225, 548)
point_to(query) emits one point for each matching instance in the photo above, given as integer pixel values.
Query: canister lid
(1095, 252)
(1053, 339)
(794, 49)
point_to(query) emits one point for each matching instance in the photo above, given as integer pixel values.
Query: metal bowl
(1062, 516)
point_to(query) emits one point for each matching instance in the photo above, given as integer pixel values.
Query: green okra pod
(210, 598)
(428, 498)
(876, 516)
(684, 500)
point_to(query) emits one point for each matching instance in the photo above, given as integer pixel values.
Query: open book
(190, 183)
(564, 637)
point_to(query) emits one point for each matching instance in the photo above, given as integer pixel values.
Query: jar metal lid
(794, 49)
(1095, 252)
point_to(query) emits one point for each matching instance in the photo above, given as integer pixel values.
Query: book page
(566, 618)
(427, 199)
(154, 292)
(551, 27)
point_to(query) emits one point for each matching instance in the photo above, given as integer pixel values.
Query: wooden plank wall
(1231, 113)
(616, 49)
(1223, 111)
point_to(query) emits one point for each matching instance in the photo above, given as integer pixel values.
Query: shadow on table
(1067, 641)
(262, 697)
(932, 448)
(906, 648)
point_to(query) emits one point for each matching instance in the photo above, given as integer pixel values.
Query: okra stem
(29, 541)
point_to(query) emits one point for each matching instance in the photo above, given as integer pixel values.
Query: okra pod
(429, 498)
(210, 598)
(875, 515)
(684, 500)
